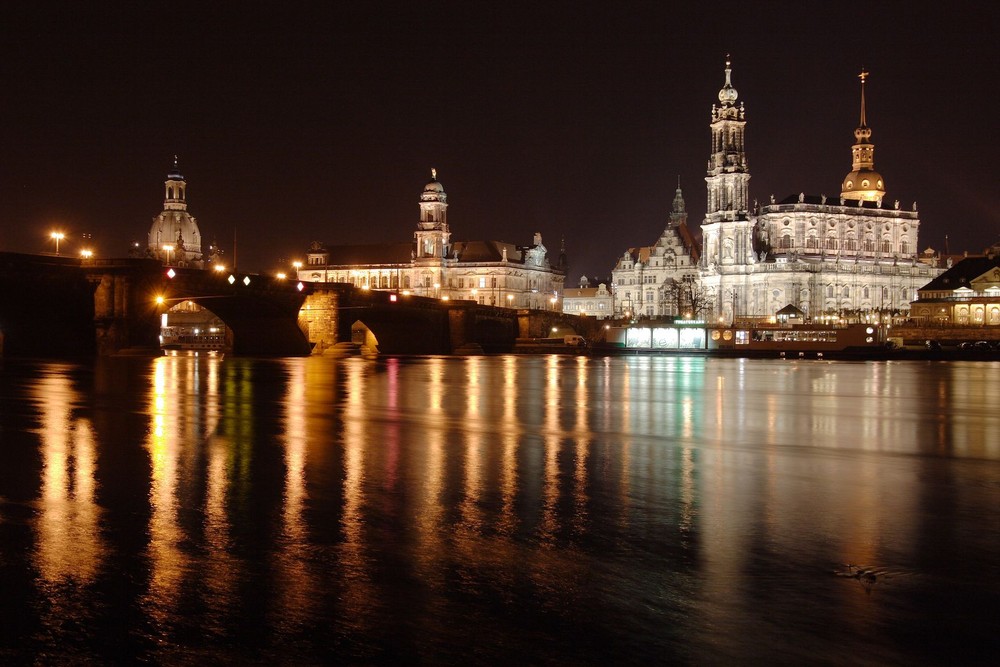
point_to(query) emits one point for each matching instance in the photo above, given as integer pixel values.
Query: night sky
(573, 120)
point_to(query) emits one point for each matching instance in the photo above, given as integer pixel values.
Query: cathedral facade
(433, 265)
(851, 256)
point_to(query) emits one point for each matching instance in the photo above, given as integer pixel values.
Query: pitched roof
(962, 273)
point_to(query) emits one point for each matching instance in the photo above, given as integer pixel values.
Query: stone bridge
(64, 306)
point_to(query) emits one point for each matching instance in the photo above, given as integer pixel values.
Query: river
(492, 510)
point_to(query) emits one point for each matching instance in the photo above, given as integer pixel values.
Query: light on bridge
(300, 287)
(392, 298)
(171, 273)
(219, 268)
(282, 275)
(86, 253)
(246, 281)
(232, 279)
(57, 237)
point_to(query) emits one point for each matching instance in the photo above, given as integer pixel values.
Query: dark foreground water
(492, 510)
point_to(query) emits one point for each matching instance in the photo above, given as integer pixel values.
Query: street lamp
(86, 253)
(57, 237)
(168, 249)
(296, 265)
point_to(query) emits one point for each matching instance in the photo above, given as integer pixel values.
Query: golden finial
(863, 76)
(434, 174)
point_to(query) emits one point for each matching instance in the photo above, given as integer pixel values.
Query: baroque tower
(727, 229)
(863, 182)
(433, 239)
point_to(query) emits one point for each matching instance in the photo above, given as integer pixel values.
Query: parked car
(932, 345)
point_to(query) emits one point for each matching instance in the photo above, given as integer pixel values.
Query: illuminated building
(851, 256)
(659, 280)
(174, 237)
(596, 302)
(968, 293)
(487, 272)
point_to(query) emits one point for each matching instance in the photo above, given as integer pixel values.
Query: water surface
(545, 510)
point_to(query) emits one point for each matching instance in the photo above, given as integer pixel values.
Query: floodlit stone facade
(433, 265)
(851, 256)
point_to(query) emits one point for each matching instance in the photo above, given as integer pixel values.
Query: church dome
(434, 191)
(863, 184)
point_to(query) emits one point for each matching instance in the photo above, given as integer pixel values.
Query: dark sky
(573, 120)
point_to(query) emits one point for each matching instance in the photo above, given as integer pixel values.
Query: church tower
(678, 214)
(727, 229)
(863, 182)
(174, 237)
(433, 239)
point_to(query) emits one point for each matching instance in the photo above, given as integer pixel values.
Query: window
(886, 246)
(482, 281)
(406, 282)
(831, 242)
(461, 283)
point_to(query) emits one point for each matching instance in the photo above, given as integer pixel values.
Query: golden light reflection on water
(297, 579)
(507, 521)
(167, 561)
(551, 442)
(582, 438)
(69, 544)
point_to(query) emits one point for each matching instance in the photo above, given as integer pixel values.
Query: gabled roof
(791, 311)
(962, 273)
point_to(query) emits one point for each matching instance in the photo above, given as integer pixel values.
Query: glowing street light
(86, 253)
(219, 268)
(510, 300)
(57, 237)
(282, 275)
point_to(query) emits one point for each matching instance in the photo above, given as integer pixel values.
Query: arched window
(406, 282)
(829, 291)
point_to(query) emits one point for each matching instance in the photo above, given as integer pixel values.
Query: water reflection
(316, 510)
(70, 548)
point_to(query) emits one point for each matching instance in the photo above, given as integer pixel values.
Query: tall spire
(678, 214)
(863, 76)
(863, 182)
